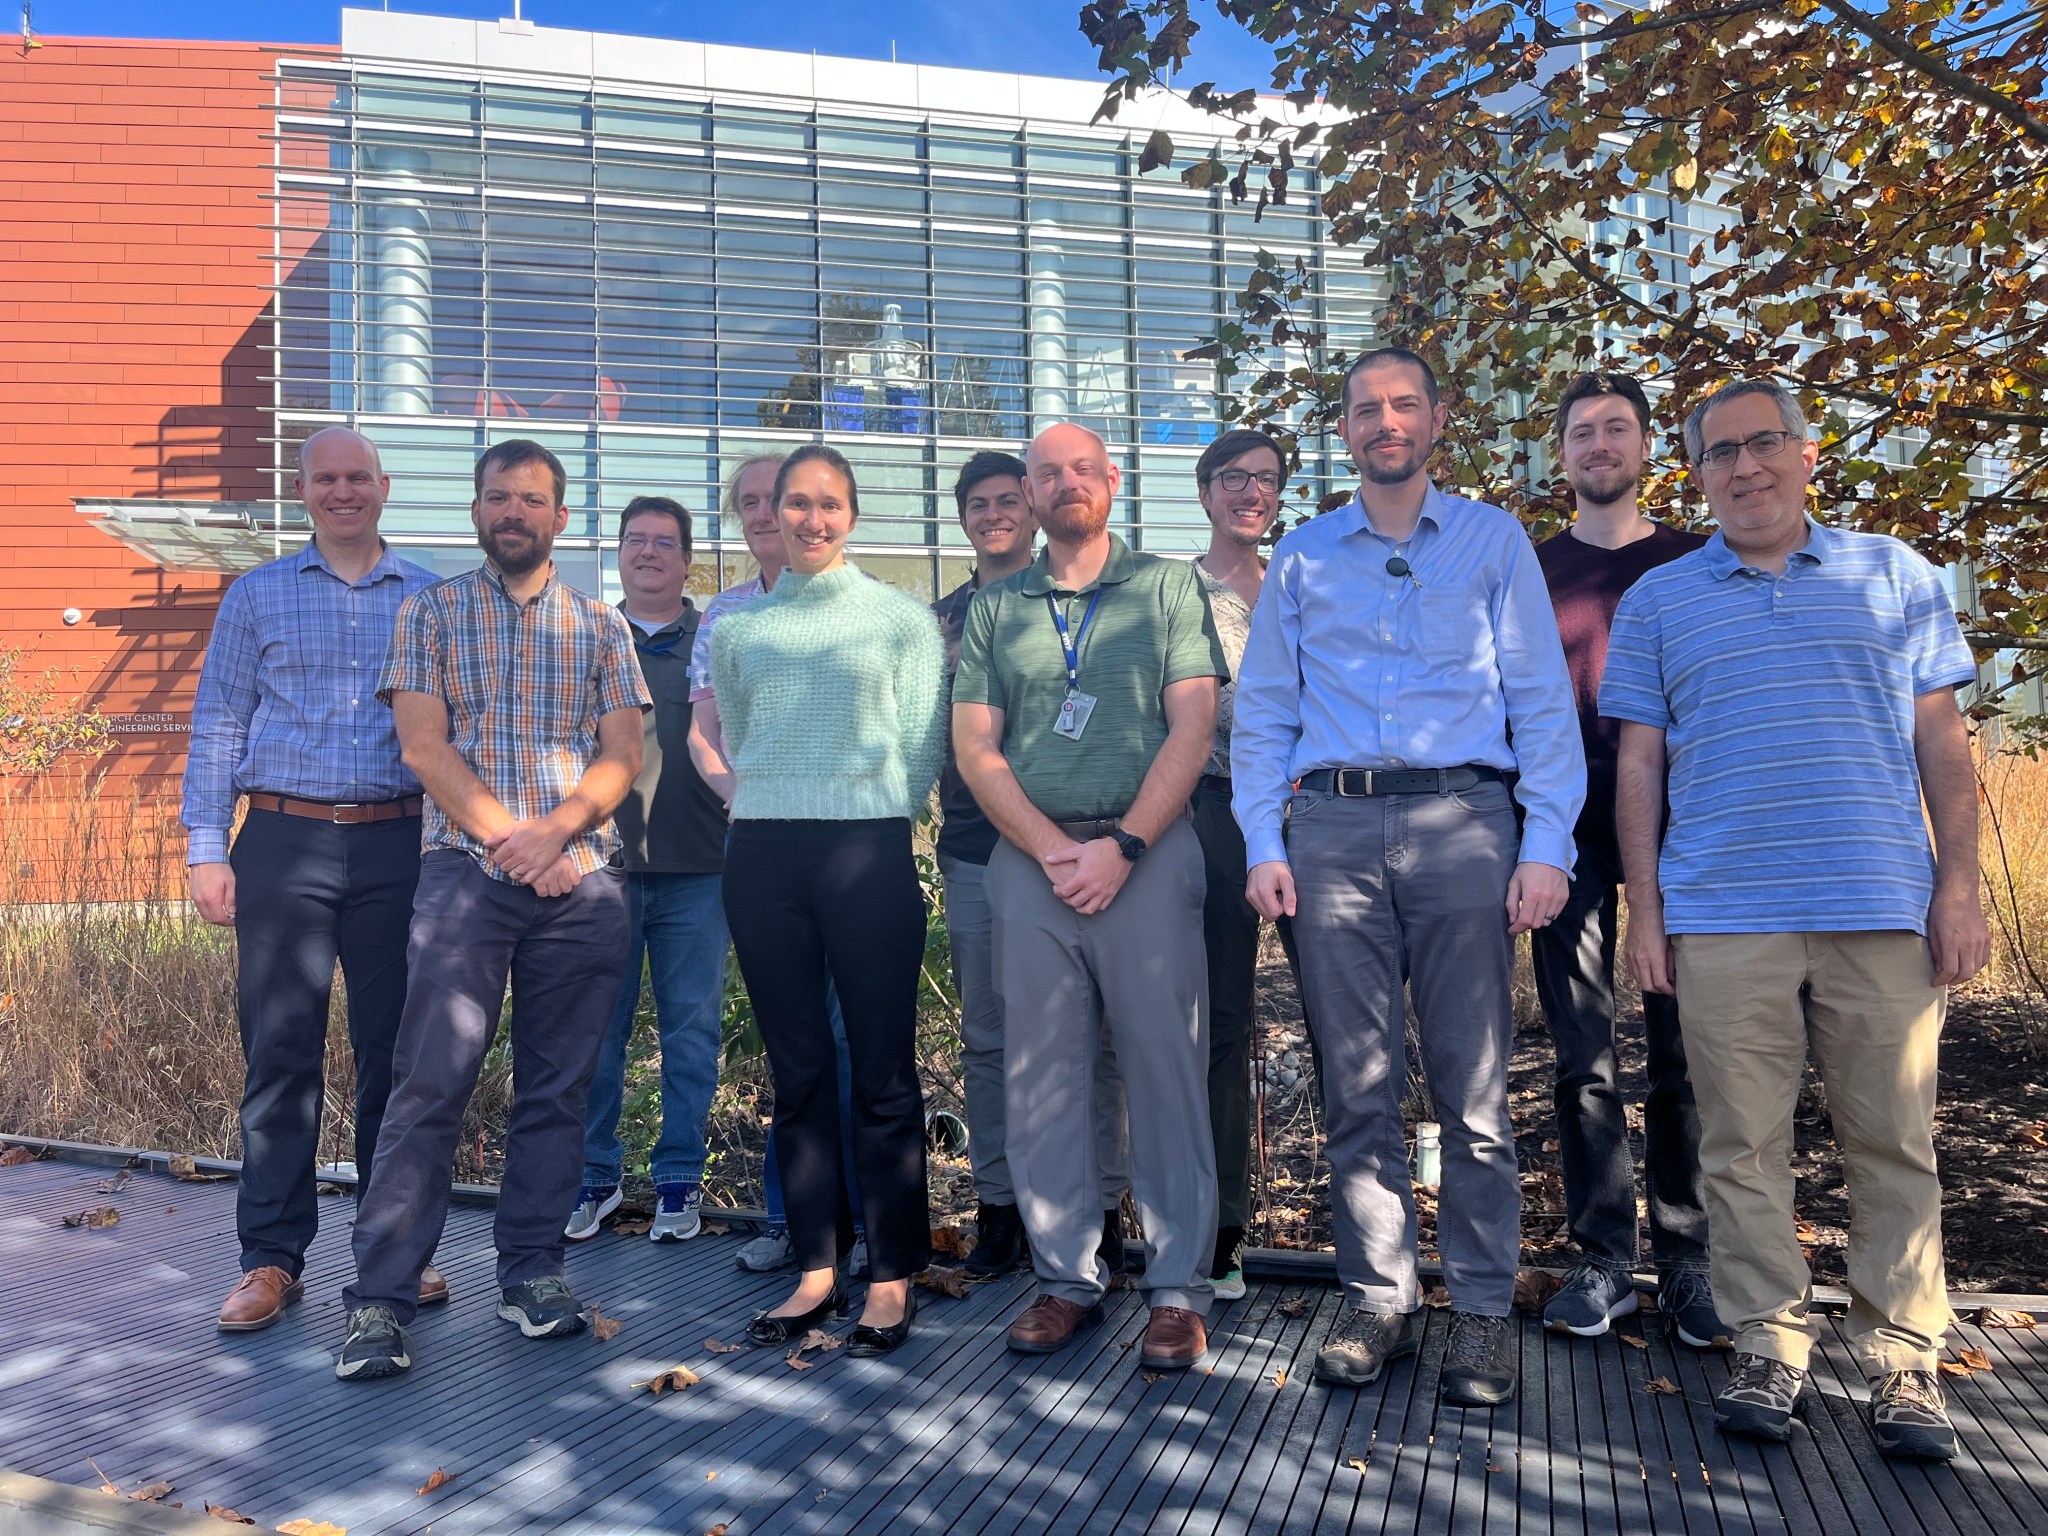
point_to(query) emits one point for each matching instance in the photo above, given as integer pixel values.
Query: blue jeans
(679, 935)
(771, 1167)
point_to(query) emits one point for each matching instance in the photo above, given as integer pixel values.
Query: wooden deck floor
(109, 1352)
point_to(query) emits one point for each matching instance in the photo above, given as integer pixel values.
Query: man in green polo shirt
(1083, 710)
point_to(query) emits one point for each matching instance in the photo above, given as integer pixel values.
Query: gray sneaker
(1479, 1361)
(593, 1204)
(544, 1308)
(772, 1250)
(1909, 1416)
(676, 1214)
(1686, 1298)
(1761, 1396)
(1363, 1344)
(375, 1346)
(1592, 1296)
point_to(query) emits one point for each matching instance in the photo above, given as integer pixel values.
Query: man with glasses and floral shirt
(673, 829)
(518, 705)
(1788, 692)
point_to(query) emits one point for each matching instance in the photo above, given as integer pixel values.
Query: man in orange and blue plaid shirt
(518, 703)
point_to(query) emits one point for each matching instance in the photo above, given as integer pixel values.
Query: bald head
(341, 479)
(1070, 482)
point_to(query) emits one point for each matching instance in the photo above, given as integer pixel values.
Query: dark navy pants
(563, 955)
(307, 893)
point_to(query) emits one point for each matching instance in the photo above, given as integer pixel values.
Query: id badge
(1075, 709)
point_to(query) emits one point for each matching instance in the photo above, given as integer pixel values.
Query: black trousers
(808, 899)
(1574, 963)
(1230, 928)
(306, 893)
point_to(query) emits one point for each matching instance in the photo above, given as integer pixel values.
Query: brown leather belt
(343, 815)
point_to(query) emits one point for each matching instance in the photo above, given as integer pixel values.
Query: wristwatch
(1129, 844)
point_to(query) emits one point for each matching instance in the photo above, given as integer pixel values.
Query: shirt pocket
(1453, 628)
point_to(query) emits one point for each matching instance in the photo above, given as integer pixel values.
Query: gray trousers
(972, 934)
(1412, 887)
(563, 955)
(1139, 963)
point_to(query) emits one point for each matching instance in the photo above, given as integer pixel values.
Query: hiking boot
(1592, 1296)
(772, 1250)
(1479, 1361)
(998, 1242)
(375, 1346)
(1226, 1270)
(676, 1213)
(593, 1204)
(1909, 1416)
(1048, 1323)
(1686, 1298)
(544, 1309)
(1761, 1396)
(1363, 1344)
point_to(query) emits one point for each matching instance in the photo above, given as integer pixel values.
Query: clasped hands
(530, 853)
(1087, 876)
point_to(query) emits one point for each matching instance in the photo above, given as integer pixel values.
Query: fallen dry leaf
(1998, 1317)
(606, 1328)
(719, 1529)
(101, 1216)
(330, 1189)
(441, 1479)
(232, 1516)
(1975, 1359)
(946, 1280)
(713, 1229)
(1293, 1308)
(1664, 1386)
(1534, 1287)
(1151, 1376)
(14, 1157)
(1436, 1296)
(312, 1528)
(186, 1171)
(633, 1228)
(107, 1484)
(2031, 1136)
(1279, 1378)
(824, 1343)
(716, 1347)
(674, 1379)
(153, 1492)
(797, 1362)
(1357, 1463)
(947, 1241)
(1954, 1368)
(710, 1477)
(1633, 1342)
(1806, 1232)
(116, 1184)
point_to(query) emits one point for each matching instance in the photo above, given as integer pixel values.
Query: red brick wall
(135, 263)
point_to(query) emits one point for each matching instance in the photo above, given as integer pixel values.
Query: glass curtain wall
(658, 289)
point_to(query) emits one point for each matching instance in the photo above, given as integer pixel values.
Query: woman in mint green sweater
(832, 695)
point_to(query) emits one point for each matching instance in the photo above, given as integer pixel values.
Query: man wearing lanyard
(997, 521)
(673, 828)
(1397, 643)
(327, 858)
(1083, 709)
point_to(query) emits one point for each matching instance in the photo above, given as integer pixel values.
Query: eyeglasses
(1235, 480)
(662, 542)
(1761, 445)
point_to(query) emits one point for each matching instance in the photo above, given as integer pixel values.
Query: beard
(1602, 487)
(1075, 519)
(516, 551)
(1401, 470)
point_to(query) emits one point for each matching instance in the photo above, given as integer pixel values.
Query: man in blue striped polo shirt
(328, 855)
(1794, 685)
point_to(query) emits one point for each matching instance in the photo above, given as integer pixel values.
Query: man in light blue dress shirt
(328, 855)
(1397, 644)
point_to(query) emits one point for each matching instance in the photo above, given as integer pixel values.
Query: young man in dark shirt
(1603, 428)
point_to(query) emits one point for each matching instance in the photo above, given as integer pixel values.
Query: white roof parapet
(538, 53)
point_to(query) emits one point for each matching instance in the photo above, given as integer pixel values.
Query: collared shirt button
(1390, 715)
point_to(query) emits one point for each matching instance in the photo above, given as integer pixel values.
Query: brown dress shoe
(1174, 1340)
(433, 1288)
(259, 1300)
(1048, 1323)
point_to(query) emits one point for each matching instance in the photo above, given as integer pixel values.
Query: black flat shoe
(768, 1330)
(868, 1342)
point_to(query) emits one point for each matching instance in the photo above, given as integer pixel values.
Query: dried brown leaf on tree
(14, 1157)
(1999, 1317)
(441, 1479)
(232, 1516)
(674, 1379)
(152, 1493)
(719, 1347)
(606, 1328)
(99, 1216)
(1663, 1386)
(1534, 1287)
(946, 1280)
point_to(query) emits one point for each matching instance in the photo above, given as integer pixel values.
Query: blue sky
(1027, 36)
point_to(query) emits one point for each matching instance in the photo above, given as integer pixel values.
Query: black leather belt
(1357, 783)
(1087, 830)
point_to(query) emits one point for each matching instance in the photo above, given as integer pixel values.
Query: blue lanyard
(1072, 648)
(648, 645)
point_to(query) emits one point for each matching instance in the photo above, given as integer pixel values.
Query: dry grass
(2013, 853)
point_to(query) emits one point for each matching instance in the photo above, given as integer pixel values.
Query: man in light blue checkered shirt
(328, 856)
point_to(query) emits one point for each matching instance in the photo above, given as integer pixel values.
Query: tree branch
(1936, 68)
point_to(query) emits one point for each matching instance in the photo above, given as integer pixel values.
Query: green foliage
(1858, 207)
(39, 724)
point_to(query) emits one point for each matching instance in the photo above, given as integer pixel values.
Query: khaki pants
(1874, 1023)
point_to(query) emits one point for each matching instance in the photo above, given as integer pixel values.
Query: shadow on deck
(110, 1353)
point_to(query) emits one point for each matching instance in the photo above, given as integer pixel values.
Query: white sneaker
(592, 1206)
(676, 1215)
(771, 1250)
